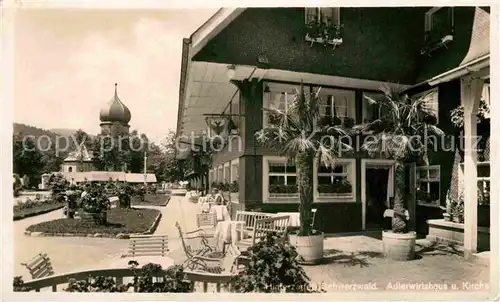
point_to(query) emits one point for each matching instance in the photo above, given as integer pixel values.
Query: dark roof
(182, 82)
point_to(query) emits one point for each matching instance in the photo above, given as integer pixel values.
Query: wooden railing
(198, 278)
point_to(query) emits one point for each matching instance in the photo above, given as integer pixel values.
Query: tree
(27, 158)
(297, 134)
(118, 153)
(400, 133)
(170, 168)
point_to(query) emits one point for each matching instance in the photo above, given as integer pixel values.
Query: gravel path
(78, 253)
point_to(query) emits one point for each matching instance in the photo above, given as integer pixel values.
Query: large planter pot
(309, 248)
(483, 215)
(447, 217)
(399, 246)
(96, 217)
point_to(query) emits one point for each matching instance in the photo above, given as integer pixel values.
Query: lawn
(119, 221)
(35, 207)
(151, 200)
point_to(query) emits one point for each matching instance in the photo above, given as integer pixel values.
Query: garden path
(78, 253)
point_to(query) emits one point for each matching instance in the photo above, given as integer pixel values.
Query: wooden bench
(250, 218)
(148, 245)
(39, 266)
(276, 224)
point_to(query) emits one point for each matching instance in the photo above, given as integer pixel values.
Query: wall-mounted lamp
(231, 72)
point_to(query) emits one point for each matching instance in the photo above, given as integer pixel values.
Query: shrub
(272, 268)
(58, 183)
(95, 201)
(124, 192)
(234, 188)
(172, 281)
(18, 285)
(280, 188)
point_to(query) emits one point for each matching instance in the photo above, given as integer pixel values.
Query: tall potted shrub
(95, 204)
(124, 191)
(298, 135)
(400, 133)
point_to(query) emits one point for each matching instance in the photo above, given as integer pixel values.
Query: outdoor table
(294, 220)
(225, 232)
(221, 212)
(203, 205)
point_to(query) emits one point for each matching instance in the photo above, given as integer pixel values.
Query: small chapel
(78, 166)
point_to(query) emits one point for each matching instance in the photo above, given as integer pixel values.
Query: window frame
(220, 174)
(276, 197)
(436, 203)
(432, 11)
(267, 101)
(335, 16)
(226, 168)
(210, 176)
(434, 93)
(483, 179)
(350, 105)
(350, 173)
(235, 162)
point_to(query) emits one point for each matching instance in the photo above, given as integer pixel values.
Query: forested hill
(42, 136)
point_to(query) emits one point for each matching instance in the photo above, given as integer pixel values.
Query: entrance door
(376, 196)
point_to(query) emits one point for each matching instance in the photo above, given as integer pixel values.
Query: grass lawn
(35, 208)
(119, 221)
(151, 200)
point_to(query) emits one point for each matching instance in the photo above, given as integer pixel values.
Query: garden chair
(216, 263)
(206, 222)
(250, 218)
(276, 224)
(194, 244)
(39, 266)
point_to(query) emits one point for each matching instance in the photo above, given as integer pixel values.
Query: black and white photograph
(264, 150)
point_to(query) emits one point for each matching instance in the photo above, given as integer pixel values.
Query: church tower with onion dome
(115, 117)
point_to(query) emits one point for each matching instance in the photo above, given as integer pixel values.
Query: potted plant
(449, 207)
(296, 134)
(324, 32)
(402, 120)
(458, 210)
(282, 190)
(273, 268)
(349, 122)
(95, 204)
(124, 192)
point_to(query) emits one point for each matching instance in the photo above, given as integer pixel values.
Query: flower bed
(36, 210)
(37, 206)
(151, 200)
(119, 221)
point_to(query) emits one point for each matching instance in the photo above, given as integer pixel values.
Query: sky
(67, 61)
